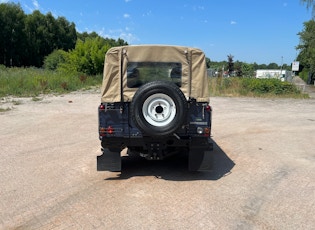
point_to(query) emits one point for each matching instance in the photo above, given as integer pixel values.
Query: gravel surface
(263, 176)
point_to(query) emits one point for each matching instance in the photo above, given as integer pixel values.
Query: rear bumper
(202, 143)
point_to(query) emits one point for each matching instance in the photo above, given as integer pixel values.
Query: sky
(261, 31)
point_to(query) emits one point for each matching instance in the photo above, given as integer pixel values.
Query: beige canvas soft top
(194, 73)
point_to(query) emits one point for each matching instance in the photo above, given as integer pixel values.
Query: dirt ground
(263, 175)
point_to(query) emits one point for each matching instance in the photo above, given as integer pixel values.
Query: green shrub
(87, 57)
(269, 86)
(53, 60)
(235, 86)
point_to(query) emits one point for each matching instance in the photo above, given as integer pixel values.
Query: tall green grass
(253, 87)
(33, 81)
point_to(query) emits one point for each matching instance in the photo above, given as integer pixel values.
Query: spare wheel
(158, 108)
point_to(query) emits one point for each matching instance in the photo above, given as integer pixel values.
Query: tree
(310, 4)
(65, 34)
(247, 70)
(12, 36)
(238, 68)
(307, 46)
(286, 67)
(230, 64)
(83, 36)
(272, 66)
(208, 62)
(44, 34)
(36, 39)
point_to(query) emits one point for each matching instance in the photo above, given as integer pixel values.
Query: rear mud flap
(109, 161)
(200, 160)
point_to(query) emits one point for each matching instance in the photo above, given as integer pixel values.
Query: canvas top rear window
(140, 73)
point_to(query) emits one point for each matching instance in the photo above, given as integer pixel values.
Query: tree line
(31, 39)
(26, 39)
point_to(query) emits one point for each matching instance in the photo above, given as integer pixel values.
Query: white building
(283, 75)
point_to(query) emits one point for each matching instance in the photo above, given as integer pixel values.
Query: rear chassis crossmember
(199, 150)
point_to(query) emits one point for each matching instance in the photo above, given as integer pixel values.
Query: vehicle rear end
(155, 106)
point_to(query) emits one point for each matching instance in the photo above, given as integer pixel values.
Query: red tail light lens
(110, 130)
(102, 107)
(208, 108)
(104, 131)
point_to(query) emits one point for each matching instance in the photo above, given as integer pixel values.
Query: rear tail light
(109, 130)
(208, 108)
(207, 131)
(102, 107)
(204, 131)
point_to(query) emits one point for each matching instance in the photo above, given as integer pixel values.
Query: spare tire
(158, 108)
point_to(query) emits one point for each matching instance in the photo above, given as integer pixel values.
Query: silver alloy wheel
(159, 110)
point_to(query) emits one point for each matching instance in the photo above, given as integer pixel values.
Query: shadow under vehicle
(174, 168)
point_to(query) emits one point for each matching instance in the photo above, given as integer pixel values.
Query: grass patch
(37, 99)
(253, 87)
(31, 82)
(4, 110)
